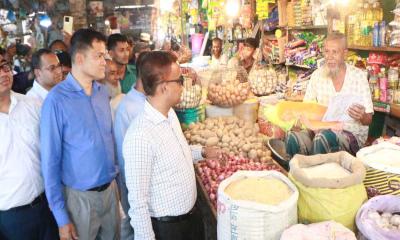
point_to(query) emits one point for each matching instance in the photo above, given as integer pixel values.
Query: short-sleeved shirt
(321, 89)
(130, 78)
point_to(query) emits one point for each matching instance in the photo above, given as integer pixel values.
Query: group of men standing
(65, 164)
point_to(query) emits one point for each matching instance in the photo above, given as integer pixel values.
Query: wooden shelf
(378, 49)
(305, 27)
(395, 110)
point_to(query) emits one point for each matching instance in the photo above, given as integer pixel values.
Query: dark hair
(219, 40)
(139, 61)
(153, 67)
(83, 40)
(22, 49)
(2, 51)
(64, 58)
(140, 46)
(36, 61)
(113, 39)
(55, 42)
(251, 42)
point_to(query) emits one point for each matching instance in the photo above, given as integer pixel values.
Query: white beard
(112, 90)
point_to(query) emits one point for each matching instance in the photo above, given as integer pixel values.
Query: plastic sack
(228, 87)
(250, 220)
(263, 81)
(266, 127)
(368, 227)
(328, 199)
(329, 230)
(286, 114)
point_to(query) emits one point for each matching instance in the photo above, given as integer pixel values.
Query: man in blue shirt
(131, 105)
(77, 147)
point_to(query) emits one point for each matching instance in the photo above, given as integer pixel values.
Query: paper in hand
(338, 107)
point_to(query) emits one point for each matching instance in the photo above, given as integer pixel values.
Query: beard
(332, 73)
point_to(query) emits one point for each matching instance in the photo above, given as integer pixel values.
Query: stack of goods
(213, 171)
(324, 231)
(304, 49)
(306, 13)
(256, 205)
(233, 135)
(365, 25)
(356, 60)
(330, 186)
(379, 218)
(383, 76)
(395, 24)
(228, 87)
(263, 80)
(383, 167)
(297, 12)
(297, 85)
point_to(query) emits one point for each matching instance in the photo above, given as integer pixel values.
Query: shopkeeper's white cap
(145, 37)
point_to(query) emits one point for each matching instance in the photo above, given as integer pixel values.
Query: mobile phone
(68, 24)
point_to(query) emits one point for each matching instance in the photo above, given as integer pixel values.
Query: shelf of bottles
(366, 28)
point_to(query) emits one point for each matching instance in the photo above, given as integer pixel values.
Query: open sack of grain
(330, 187)
(379, 219)
(383, 168)
(256, 205)
(327, 230)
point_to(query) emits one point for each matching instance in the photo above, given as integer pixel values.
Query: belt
(35, 202)
(175, 218)
(100, 188)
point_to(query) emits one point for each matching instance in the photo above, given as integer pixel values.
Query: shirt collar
(39, 89)
(154, 115)
(14, 101)
(135, 92)
(73, 84)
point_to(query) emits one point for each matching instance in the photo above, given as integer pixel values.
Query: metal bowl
(278, 150)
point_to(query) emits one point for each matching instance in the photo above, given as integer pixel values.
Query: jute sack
(323, 199)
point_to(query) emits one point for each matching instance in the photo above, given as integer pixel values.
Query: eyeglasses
(180, 80)
(6, 67)
(52, 68)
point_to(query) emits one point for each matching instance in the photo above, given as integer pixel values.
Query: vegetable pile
(263, 81)
(213, 171)
(228, 94)
(232, 135)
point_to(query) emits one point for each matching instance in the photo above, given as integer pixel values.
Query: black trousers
(191, 228)
(29, 223)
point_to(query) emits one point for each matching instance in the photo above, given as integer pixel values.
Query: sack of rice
(256, 205)
(330, 187)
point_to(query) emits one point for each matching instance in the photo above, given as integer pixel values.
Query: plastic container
(248, 110)
(213, 111)
(187, 116)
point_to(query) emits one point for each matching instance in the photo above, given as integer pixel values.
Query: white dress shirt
(159, 170)
(20, 175)
(37, 91)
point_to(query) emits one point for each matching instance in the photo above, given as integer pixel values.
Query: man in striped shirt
(158, 161)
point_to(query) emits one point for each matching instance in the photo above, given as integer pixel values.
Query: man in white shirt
(218, 58)
(158, 160)
(47, 70)
(24, 211)
(336, 79)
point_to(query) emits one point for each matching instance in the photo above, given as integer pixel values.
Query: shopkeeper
(246, 56)
(217, 57)
(333, 79)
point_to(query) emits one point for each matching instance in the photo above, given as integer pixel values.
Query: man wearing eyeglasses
(47, 70)
(158, 160)
(24, 211)
(336, 79)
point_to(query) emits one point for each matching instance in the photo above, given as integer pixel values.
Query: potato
(212, 141)
(252, 154)
(246, 147)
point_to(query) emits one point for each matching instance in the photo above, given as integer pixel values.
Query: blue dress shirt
(77, 145)
(130, 106)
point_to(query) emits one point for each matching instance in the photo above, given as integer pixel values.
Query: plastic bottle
(382, 34)
(375, 35)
